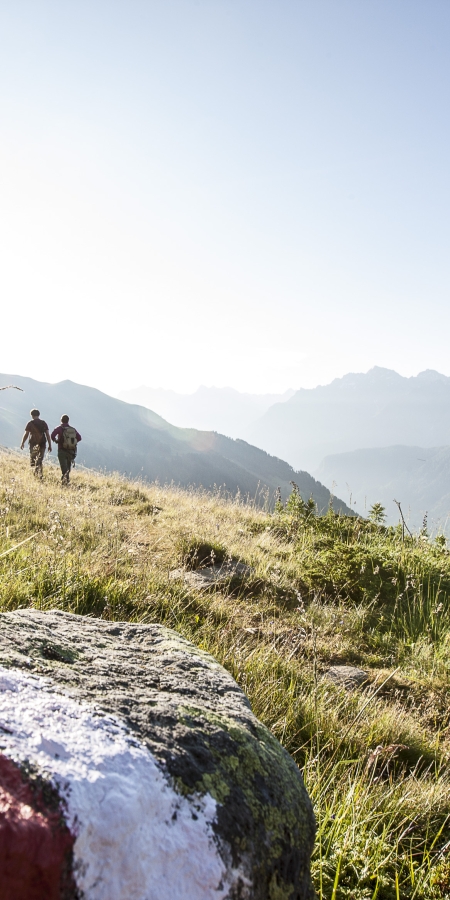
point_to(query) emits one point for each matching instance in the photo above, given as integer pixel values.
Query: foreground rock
(132, 768)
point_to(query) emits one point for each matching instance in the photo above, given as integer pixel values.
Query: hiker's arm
(47, 435)
(25, 435)
(79, 438)
(55, 435)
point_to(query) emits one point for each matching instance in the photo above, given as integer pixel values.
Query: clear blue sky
(224, 191)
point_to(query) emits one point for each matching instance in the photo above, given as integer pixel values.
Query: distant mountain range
(224, 410)
(135, 441)
(376, 409)
(418, 477)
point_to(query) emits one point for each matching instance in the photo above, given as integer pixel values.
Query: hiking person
(67, 438)
(36, 432)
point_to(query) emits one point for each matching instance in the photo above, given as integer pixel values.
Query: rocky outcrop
(132, 768)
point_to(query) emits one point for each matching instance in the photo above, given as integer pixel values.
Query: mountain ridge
(378, 408)
(133, 440)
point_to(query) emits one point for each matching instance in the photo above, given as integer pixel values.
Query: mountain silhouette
(376, 409)
(135, 441)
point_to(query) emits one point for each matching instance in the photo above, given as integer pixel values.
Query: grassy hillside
(320, 591)
(120, 437)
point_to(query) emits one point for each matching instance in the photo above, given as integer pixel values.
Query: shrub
(197, 553)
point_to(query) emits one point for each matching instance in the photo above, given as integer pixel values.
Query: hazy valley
(373, 437)
(225, 410)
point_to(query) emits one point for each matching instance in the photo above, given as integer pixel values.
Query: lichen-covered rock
(132, 768)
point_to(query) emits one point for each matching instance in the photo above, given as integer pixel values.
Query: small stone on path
(211, 575)
(348, 677)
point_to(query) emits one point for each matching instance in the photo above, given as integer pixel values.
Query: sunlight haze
(249, 194)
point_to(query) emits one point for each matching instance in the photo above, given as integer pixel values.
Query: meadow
(319, 592)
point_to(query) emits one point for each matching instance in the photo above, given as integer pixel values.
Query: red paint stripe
(35, 842)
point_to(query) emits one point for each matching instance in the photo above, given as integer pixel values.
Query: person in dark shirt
(67, 438)
(37, 434)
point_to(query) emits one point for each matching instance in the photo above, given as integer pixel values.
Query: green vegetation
(325, 591)
(196, 553)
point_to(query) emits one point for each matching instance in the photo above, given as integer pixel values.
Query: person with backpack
(37, 434)
(67, 438)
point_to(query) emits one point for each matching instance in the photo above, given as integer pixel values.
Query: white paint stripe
(136, 837)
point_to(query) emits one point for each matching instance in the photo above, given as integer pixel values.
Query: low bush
(196, 553)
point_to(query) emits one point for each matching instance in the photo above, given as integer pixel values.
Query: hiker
(36, 432)
(67, 439)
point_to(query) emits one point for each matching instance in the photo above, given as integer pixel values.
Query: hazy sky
(229, 192)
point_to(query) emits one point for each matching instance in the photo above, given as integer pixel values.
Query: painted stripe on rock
(135, 837)
(35, 844)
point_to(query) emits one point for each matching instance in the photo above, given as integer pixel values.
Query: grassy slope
(328, 590)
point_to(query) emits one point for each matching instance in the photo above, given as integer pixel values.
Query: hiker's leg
(39, 460)
(34, 455)
(64, 462)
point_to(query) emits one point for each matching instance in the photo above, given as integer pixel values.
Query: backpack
(69, 439)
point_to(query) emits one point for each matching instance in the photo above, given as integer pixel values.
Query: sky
(223, 192)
